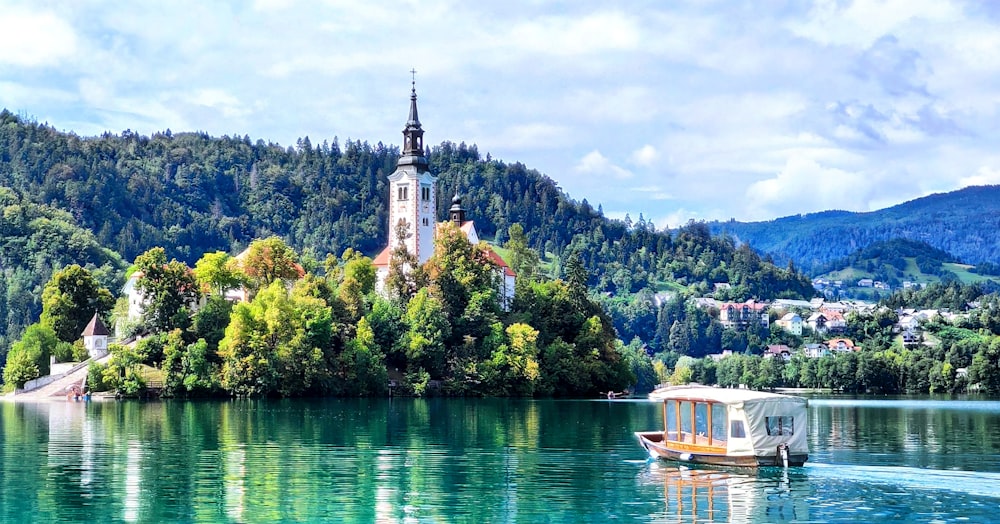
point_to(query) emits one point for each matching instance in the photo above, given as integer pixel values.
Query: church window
(426, 222)
(403, 192)
(425, 193)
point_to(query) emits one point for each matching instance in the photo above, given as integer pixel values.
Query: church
(413, 201)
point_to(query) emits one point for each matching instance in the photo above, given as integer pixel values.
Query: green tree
(168, 288)
(362, 370)
(123, 372)
(277, 343)
(388, 327)
(269, 260)
(210, 322)
(427, 330)
(985, 368)
(28, 358)
(70, 299)
(682, 371)
(523, 260)
(513, 366)
(218, 272)
(406, 276)
(187, 367)
(358, 276)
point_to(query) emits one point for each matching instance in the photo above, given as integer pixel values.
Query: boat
(728, 427)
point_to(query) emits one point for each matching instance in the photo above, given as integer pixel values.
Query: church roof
(95, 328)
(382, 259)
(496, 259)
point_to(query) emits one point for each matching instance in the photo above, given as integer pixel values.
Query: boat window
(736, 429)
(701, 422)
(780, 425)
(686, 422)
(671, 424)
(718, 423)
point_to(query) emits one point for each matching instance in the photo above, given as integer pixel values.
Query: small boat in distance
(728, 427)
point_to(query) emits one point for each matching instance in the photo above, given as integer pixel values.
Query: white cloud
(34, 39)
(861, 22)
(984, 176)
(594, 163)
(272, 5)
(533, 135)
(805, 185)
(219, 99)
(645, 156)
(569, 36)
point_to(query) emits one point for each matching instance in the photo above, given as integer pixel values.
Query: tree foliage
(168, 289)
(70, 300)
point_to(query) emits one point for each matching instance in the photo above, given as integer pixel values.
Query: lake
(493, 460)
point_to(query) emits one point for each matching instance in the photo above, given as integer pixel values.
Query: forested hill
(192, 194)
(965, 223)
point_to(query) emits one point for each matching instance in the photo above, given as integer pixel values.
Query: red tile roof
(496, 259)
(95, 328)
(382, 259)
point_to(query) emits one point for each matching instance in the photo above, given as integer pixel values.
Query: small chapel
(413, 201)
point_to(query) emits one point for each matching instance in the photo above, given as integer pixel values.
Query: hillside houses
(819, 318)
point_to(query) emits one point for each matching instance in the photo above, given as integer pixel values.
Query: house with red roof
(843, 345)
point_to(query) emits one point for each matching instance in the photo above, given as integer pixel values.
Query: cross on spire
(413, 135)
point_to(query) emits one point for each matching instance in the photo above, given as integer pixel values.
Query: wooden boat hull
(653, 442)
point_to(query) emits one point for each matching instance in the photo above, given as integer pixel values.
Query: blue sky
(676, 110)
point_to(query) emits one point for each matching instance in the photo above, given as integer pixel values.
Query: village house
(841, 345)
(737, 314)
(778, 350)
(787, 303)
(817, 322)
(816, 350)
(791, 323)
(908, 323)
(835, 321)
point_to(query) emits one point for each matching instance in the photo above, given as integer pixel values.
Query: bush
(20, 368)
(95, 377)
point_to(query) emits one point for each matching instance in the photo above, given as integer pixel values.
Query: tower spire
(413, 133)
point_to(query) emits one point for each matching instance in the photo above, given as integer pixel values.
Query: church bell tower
(412, 191)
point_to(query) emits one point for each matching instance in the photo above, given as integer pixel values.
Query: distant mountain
(964, 223)
(892, 263)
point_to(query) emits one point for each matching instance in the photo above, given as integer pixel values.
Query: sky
(673, 110)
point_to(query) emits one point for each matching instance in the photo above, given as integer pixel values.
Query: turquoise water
(411, 460)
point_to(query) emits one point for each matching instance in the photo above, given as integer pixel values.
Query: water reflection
(406, 460)
(696, 494)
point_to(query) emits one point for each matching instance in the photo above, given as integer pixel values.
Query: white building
(95, 338)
